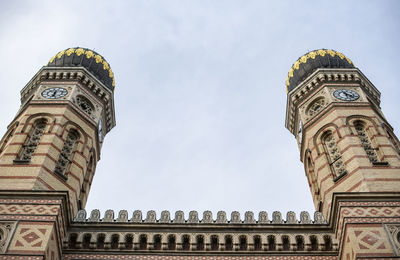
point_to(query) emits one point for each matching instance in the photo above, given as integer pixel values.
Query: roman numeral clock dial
(346, 94)
(54, 93)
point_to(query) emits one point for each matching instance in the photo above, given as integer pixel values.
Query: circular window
(316, 106)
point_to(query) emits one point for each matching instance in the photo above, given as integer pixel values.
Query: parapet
(179, 218)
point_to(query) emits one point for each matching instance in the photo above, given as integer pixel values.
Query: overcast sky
(200, 90)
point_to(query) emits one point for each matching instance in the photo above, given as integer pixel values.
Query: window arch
(86, 241)
(299, 243)
(65, 157)
(285, 243)
(115, 241)
(214, 243)
(185, 242)
(200, 242)
(100, 241)
(257, 243)
(32, 140)
(365, 140)
(328, 243)
(157, 242)
(242, 243)
(171, 242)
(271, 243)
(228, 243)
(333, 155)
(313, 243)
(129, 241)
(142, 242)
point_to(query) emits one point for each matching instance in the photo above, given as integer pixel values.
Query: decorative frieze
(194, 217)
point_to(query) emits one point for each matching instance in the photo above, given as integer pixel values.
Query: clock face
(54, 93)
(300, 133)
(346, 94)
(100, 131)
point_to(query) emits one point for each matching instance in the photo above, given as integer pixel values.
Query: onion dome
(312, 61)
(90, 60)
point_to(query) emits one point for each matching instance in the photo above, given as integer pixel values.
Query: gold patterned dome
(89, 59)
(312, 61)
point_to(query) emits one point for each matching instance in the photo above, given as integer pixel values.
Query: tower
(49, 153)
(347, 146)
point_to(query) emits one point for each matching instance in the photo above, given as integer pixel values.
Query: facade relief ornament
(151, 217)
(221, 217)
(80, 216)
(122, 216)
(291, 218)
(277, 217)
(193, 217)
(263, 217)
(165, 217)
(235, 217)
(207, 217)
(95, 215)
(109, 216)
(305, 218)
(249, 217)
(179, 217)
(137, 216)
(319, 218)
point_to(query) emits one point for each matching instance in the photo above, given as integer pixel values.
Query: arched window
(285, 243)
(271, 243)
(214, 243)
(32, 140)
(315, 106)
(200, 242)
(129, 241)
(171, 242)
(100, 241)
(242, 243)
(114, 241)
(333, 155)
(228, 243)
(66, 153)
(157, 242)
(299, 243)
(142, 242)
(257, 243)
(185, 242)
(313, 243)
(86, 241)
(366, 141)
(72, 241)
(84, 104)
(328, 243)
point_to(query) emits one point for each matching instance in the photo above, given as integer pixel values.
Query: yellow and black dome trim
(89, 59)
(312, 61)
